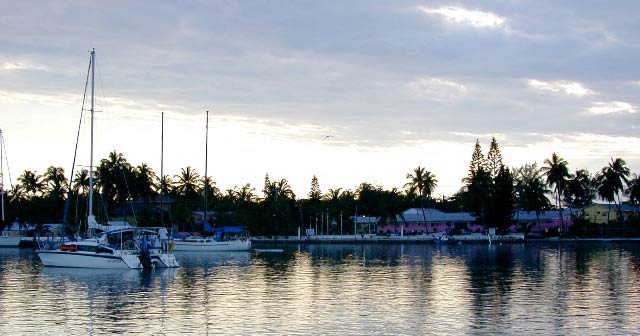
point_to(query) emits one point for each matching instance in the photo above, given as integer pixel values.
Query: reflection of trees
(491, 273)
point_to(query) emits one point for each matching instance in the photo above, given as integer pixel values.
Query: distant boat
(223, 239)
(124, 247)
(10, 237)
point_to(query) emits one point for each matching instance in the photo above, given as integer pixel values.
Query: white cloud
(471, 136)
(611, 107)
(8, 97)
(435, 89)
(474, 18)
(566, 87)
(14, 66)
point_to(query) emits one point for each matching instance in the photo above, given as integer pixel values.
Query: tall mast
(206, 182)
(93, 72)
(162, 172)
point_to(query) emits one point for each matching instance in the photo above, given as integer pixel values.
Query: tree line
(491, 191)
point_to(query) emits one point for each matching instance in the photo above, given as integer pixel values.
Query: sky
(348, 91)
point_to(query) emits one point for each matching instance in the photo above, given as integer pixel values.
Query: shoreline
(429, 239)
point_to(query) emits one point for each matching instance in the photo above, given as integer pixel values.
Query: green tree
(633, 190)
(143, 184)
(479, 195)
(612, 182)
(494, 158)
(266, 190)
(31, 183)
(187, 183)
(557, 174)
(607, 188)
(392, 207)
(503, 199)
(315, 193)
(424, 182)
(477, 162)
(56, 184)
(114, 176)
(81, 182)
(581, 189)
(244, 194)
(531, 190)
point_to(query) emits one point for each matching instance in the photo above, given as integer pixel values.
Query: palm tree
(424, 182)
(580, 189)
(633, 190)
(143, 181)
(163, 185)
(606, 188)
(212, 188)
(244, 195)
(55, 181)
(31, 182)
(114, 172)
(557, 174)
(531, 190)
(16, 194)
(613, 178)
(392, 206)
(187, 183)
(81, 182)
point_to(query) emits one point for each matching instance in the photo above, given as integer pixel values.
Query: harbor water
(563, 288)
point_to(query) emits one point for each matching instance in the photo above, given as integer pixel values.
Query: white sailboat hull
(57, 258)
(212, 245)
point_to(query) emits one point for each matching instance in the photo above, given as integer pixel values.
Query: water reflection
(534, 288)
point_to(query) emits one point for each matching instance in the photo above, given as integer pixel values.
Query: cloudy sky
(349, 91)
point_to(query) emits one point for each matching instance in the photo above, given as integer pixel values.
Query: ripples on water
(534, 288)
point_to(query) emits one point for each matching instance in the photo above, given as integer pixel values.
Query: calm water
(534, 288)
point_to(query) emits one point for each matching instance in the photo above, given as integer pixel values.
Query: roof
(435, 215)
(544, 215)
(625, 207)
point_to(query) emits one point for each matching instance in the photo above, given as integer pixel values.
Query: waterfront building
(598, 213)
(545, 222)
(429, 220)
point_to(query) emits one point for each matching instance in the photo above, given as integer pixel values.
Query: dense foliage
(491, 191)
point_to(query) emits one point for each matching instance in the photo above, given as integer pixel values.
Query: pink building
(545, 222)
(428, 220)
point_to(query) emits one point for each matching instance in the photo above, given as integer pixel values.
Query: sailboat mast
(93, 70)
(162, 172)
(206, 182)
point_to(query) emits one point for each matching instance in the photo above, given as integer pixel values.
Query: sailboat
(224, 238)
(9, 237)
(123, 247)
